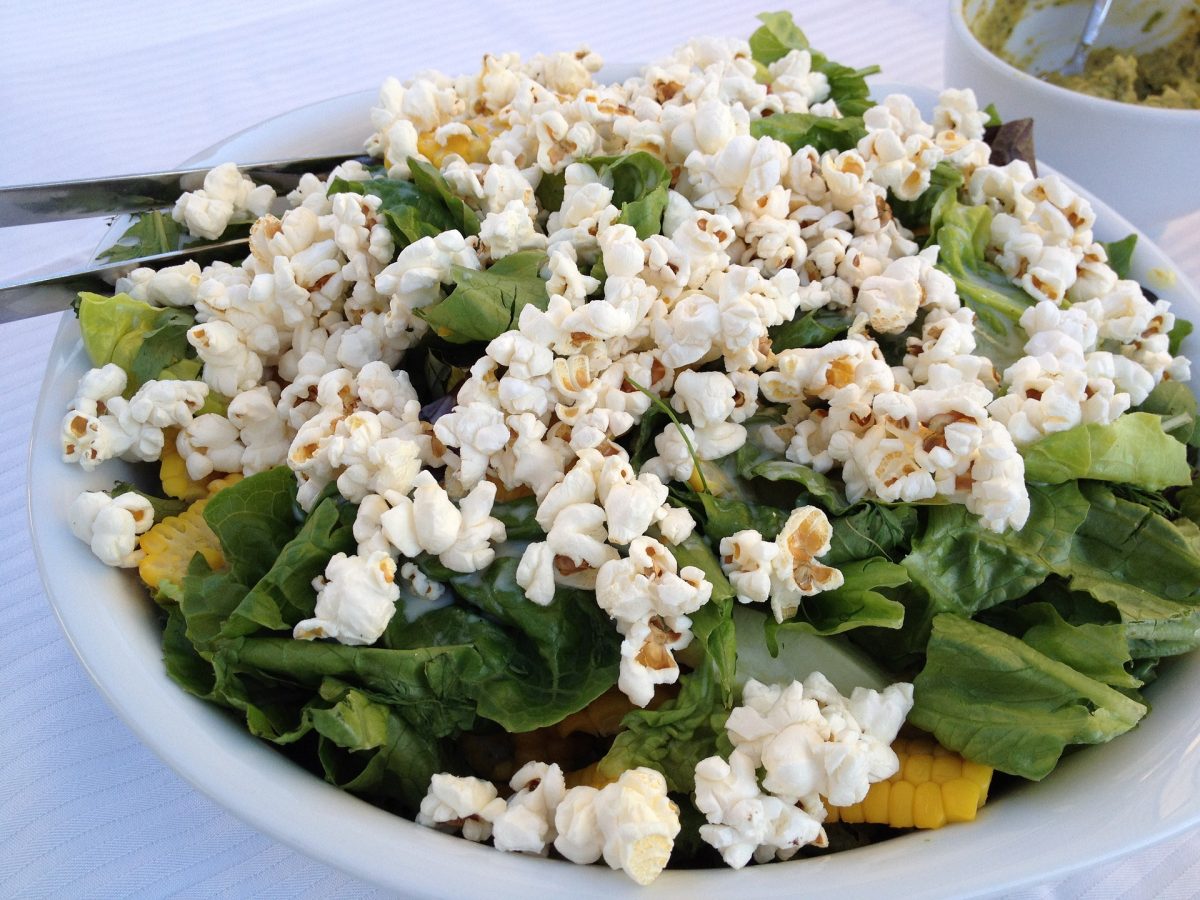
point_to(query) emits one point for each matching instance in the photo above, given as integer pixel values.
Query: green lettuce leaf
(143, 340)
(964, 567)
(998, 701)
(917, 215)
(1120, 254)
(150, 234)
(488, 303)
(1146, 567)
(1177, 405)
(961, 232)
(560, 657)
(779, 35)
(284, 595)
(409, 212)
(813, 329)
(815, 487)
(872, 529)
(856, 604)
(429, 181)
(640, 185)
(254, 520)
(1134, 449)
(366, 748)
(822, 133)
(1098, 651)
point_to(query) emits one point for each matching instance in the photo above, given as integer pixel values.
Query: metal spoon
(1091, 31)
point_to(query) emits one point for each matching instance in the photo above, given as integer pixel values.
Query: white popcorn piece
(226, 195)
(356, 600)
(111, 525)
(469, 804)
(230, 367)
(650, 598)
(527, 823)
(631, 823)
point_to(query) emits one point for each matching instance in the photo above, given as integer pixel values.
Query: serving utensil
(56, 201)
(1091, 30)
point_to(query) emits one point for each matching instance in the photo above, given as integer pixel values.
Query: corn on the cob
(933, 787)
(170, 544)
(173, 473)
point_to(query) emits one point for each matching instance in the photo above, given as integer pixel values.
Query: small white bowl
(1127, 153)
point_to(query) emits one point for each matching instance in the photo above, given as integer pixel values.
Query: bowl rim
(960, 30)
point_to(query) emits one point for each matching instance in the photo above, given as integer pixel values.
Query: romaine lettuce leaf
(412, 210)
(150, 234)
(488, 303)
(964, 567)
(143, 340)
(822, 133)
(429, 181)
(961, 232)
(1098, 651)
(999, 701)
(1120, 254)
(640, 184)
(779, 35)
(1133, 449)
(814, 486)
(856, 604)
(559, 657)
(813, 329)
(1177, 405)
(366, 748)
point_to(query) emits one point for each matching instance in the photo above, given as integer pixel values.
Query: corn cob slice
(933, 787)
(170, 544)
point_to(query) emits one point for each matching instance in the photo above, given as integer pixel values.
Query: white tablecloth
(97, 87)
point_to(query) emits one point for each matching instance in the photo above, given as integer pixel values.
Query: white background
(102, 87)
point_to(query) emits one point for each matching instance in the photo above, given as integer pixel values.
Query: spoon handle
(1091, 30)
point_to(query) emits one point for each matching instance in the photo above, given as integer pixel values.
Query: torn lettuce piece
(485, 304)
(964, 567)
(961, 232)
(640, 183)
(150, 234)
(999, 701)
(1133, 449)
(856, 604)
(779, 35)
(822, 133)
(143, 340)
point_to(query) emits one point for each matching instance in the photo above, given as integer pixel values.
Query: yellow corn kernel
(225, 481)
(833, 814)
(928, 809)
(875, 804)
(173, 473)
(170, 545)
(960, 797)
(981, 775)
(472, 147)
(920, 746)
(602, 717)
(853, 814)
(695, 482)
(900, 805)
(945, 768)
(918, 769)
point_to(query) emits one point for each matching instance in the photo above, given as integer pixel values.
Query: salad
(715, 466)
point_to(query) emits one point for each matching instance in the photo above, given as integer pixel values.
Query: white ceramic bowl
(1099, 804)
(1133, 156)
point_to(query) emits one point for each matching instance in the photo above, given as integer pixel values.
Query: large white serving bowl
(1100, 803)
(1133, 156)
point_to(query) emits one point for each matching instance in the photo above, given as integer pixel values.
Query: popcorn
(110, 525)
(631, 823)
(356, 599)
(226, 195)
(650, 598)
(453, 803)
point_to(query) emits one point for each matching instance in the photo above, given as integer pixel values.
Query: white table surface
(100, 87)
